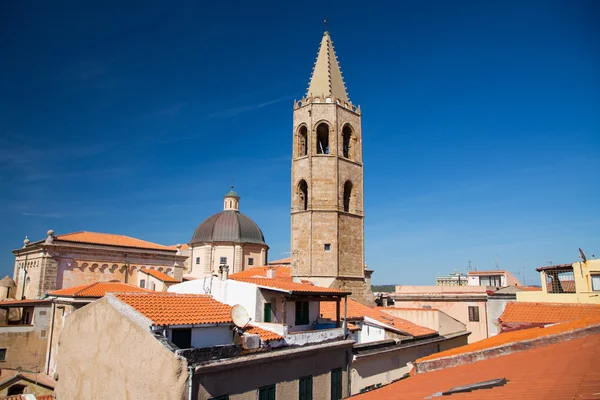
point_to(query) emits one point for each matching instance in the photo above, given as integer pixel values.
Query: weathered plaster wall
(429, 318)
(103, 354)
(26, 344)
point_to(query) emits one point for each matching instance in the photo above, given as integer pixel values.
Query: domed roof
(7, 281)
(228, 226)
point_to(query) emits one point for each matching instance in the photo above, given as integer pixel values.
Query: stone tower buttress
(327, 213)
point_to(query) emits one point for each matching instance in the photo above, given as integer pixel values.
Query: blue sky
(481, 123)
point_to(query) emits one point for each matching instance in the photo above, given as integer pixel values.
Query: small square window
(327, 247)
(197, 260)
(2, 354)
(142, 283)
(596, 283)
(42, 313)
(223, 260)
(44, 333)
(251, 261)
(473, 313)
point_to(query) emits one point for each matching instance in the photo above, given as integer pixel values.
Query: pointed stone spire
(327, 77)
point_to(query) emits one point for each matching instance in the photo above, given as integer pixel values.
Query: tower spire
(326, 78)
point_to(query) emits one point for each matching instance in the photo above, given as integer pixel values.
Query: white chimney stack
(271, 273)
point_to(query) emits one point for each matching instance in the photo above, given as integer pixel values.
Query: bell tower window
(347, 195)
(302, 196)
(322, 139)
(302, 149)
(347, 141)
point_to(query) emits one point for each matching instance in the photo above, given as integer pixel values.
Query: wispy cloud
(234, 111)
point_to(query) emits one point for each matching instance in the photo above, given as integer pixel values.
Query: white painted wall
(370, 333)
(212, 336)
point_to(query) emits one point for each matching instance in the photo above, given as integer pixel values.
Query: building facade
(327, 213)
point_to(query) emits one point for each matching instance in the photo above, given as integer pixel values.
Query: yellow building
(567, 283)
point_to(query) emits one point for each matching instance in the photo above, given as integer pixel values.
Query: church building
(327, 217)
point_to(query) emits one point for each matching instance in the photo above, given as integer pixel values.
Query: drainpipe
(191, 382)
(24, 272)
(50, 339)
(348, 372)
(345, 326)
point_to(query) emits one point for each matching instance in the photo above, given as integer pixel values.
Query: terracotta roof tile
(356, 310)
(565, 370)
(283, 261)
(160, 275)
(290, 286)
(281, 272)
(547, 313)
(97, 289)
(110, 239)
(265, 335)
(178, 309)
(184, 246)
(516, 336)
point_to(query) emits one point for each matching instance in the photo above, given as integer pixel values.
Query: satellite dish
(583, 257)
(239, 315)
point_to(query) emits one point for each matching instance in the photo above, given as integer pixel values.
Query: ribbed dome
(228, 226)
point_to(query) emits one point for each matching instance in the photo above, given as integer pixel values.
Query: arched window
(347, 141)
(322, 139)
(302, 195)
(302, 149)
(347, 195)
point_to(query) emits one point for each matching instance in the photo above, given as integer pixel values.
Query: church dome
(230, 225)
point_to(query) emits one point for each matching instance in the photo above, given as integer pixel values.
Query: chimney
(225, 272)
(270, 273)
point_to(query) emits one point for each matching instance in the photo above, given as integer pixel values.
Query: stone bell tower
(327, 240)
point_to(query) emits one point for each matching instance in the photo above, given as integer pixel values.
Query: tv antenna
(469, 268)
(497, 263)
(582, 255)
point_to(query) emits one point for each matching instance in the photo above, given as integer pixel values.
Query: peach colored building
(498, 278)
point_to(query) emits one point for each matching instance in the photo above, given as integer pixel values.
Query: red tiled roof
(356, 310)
(14, 376)
(290, 286)
(97, 289)
(265, 335)
(517, 336)
(110, 239)
(160, 275)
(547, 313)
(281, 272)
(178, 309)
(184, 246)
(283, 261)
(565, 370)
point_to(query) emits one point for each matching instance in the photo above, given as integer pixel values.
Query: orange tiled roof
(547, 313)
(281, 272)
(183, 247)
(290, 286)
(530, 288)
(565, 370)
(97, 289)
(160, 275)
(517, 336)
(356, 310)
(265, 335)
(282, 261)
(110, 239)
(178, 309)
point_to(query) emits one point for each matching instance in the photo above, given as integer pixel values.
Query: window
(44, 333)
(15, 389)
(197, 260)
(266, 393)
(490, 280)
(474, 313)
(336, 384)
(323, 139)
(302, 196)
(302, 317)
(223, 260)
(347, 142)
(327, 247)
(182, 338)
(268, 313)
(595, 282)
(2, 354)
(250, 261)
(302, 142)
(560, 281)
(347, 195)
(305, 388)
(226, 397)
(42, 313)
(142, 283)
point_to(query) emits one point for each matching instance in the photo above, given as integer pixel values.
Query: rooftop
(23, 303)
(160, 275)
(178, 309)
(547, 313)
(282, 261)
(285, 285)
(281, 272)
(97, 289)
(565, 370)
(109, 239)
(326, 79)
(265, 335)
(495, 272)
(356, 310)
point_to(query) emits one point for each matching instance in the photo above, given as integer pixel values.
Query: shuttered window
(305, 388)
(336, 384)
(474, 313)
(302, 313)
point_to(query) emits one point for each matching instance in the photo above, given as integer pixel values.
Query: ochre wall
(102, 354)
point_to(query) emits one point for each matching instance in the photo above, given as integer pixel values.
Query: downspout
(348, 372)
(191, 382)
(345, 326)
(50, 339)
(24, 278)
